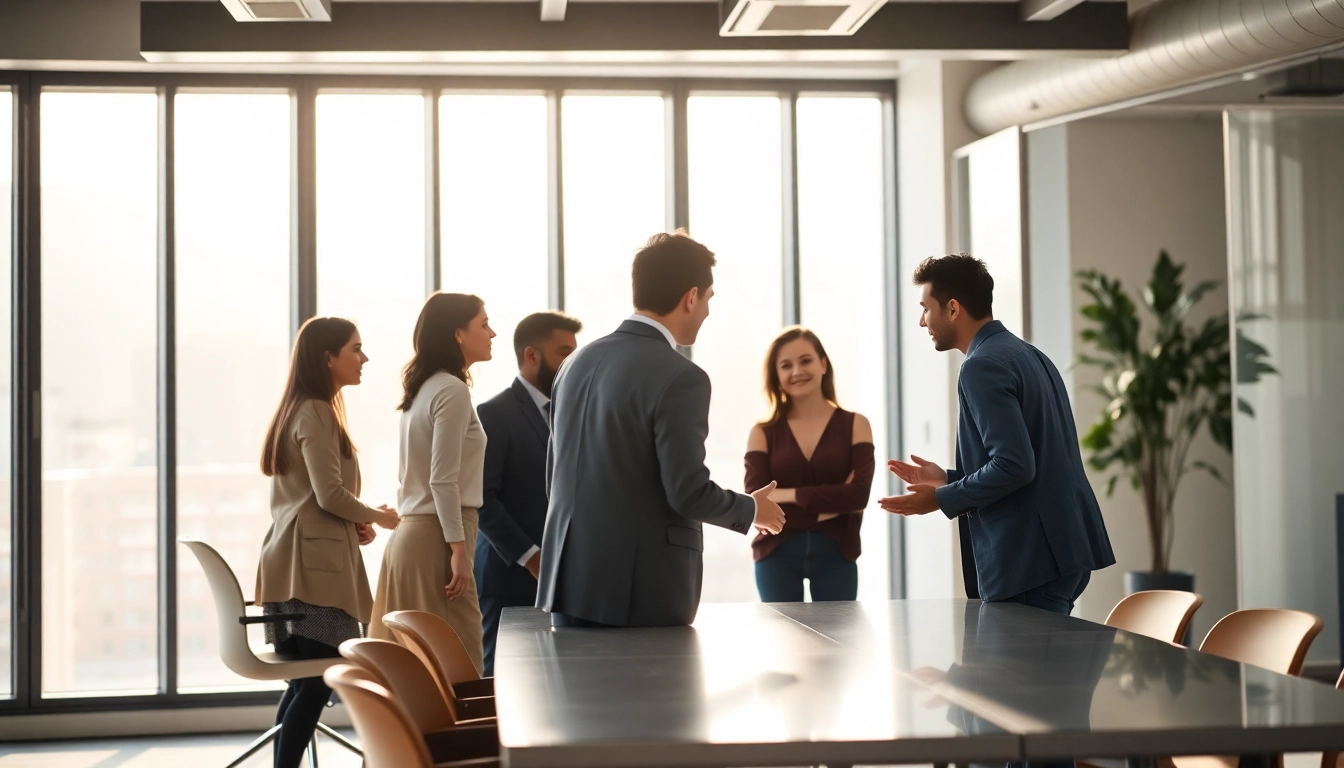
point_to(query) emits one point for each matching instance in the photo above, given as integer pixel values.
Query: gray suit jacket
(628, 485)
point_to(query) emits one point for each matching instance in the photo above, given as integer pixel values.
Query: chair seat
(1206, 761)
(474, 709)
(275, 666)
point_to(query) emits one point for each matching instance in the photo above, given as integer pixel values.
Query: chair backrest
(1162, 614)
(1273, 638)
(409, 680)
(234, 650)
(441, 641)
(389, 737)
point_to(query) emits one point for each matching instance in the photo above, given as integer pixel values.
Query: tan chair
(409, 680)
(1273, 638)
(237, 653)
(389, 735)
(438, 646)
(1332, 759)
(1162, 614)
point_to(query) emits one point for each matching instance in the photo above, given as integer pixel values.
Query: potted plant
(1160, 387)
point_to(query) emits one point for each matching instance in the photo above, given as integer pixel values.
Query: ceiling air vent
(279, 10)
(794, 17)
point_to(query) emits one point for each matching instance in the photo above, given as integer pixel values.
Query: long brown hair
(774, 391)
(309, 379)
(436, 347)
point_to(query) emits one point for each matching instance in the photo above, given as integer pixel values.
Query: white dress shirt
(542, 401)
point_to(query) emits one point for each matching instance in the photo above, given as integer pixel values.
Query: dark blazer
(1019, 492)
(513, 512)
(628, 484)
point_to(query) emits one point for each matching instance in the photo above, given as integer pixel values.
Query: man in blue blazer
(513, 515)
(1031, 529)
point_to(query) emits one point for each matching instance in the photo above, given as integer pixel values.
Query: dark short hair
(537, 327)
(960, 276)
(666, 268)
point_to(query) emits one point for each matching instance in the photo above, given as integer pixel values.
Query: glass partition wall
(1285, 186)
(173, 232)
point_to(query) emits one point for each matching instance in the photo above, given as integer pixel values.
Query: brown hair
(774, 391)
(435, 341)
(309, 379)
(666, 268)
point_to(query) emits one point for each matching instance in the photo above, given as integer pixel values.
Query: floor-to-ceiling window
(841, 283)
(99, 470)
(371, 262)
(232, 322)
(615, 188)
(493, 215)
(509, 213)
(735, 209)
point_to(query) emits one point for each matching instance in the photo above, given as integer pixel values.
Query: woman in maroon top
(822, 457)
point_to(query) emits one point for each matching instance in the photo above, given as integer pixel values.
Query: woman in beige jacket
(427, 565)
(310, 562)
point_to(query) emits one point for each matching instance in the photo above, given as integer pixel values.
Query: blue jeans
(809, 555)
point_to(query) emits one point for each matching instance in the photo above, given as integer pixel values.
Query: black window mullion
(167, 394)
(303, 204)
(26, 357)
(555, 199)
(433, 237)
(788, 104)
(676, 152)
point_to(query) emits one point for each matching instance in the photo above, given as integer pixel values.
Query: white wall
(1134, 187)
(930, 126)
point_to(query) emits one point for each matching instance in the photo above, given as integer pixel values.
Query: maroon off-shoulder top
(820, 483)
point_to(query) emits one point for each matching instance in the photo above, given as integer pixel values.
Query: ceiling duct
(1322, 78)
(759, 18)
(1172, 43)
(279, 10)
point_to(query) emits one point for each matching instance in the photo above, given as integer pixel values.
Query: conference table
(883, 683)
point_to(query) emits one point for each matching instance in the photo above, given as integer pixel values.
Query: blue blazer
(513, 512)
(1019, 493)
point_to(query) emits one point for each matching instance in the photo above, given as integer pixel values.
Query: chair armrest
(472, 709)
(474, 689)
(272, 618)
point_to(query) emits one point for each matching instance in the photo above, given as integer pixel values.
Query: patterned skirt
(331, 626)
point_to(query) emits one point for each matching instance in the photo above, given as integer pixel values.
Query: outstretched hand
(918, 500)
(769, 516)
(921, 472)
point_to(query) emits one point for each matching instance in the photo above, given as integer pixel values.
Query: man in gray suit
(626, 471)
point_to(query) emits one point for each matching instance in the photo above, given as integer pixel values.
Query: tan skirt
(416, 571)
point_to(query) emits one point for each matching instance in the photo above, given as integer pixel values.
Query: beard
(546, 377)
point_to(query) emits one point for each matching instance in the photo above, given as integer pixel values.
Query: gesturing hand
(461, 573)
(918, 500)
(922, 472)
(769, 517)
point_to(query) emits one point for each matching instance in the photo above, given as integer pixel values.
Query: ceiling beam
(553, 10)
(360, 31)
(1045, 10)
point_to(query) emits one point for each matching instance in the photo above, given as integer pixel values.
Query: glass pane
(1285, 175)
(841, 274)
(232, 240)
(735, 210)
(6, 528)
(99, 476)
(493, 215)
(371, 262)
(614, 200)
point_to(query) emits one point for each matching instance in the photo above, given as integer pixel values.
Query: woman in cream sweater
(428, 564)
(310, 561)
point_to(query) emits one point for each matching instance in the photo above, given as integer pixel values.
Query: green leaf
(1207, 467)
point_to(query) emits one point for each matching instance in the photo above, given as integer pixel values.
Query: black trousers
(491, 608)
(302, 703)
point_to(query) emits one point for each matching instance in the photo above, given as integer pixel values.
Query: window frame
(25, 251)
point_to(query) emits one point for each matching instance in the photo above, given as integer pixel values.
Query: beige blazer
(311, 552)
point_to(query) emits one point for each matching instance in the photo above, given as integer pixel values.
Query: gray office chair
(238, 655)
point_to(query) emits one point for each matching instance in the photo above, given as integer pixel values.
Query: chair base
(274, 731)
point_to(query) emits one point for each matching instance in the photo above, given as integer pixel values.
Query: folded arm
(847, 497)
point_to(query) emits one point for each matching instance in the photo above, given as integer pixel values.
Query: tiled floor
(214, 751)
